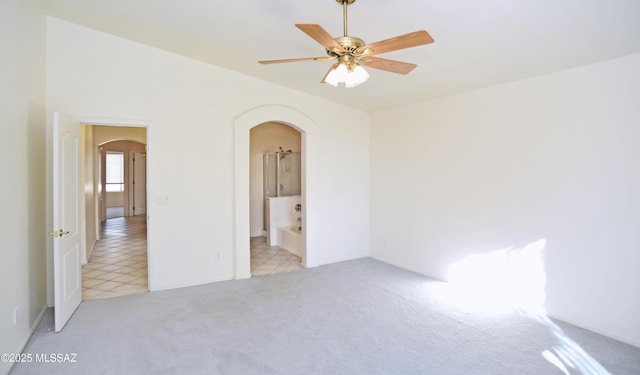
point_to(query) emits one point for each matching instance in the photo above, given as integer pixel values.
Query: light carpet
(355, 317)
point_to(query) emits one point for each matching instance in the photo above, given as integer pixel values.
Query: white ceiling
(477, 43)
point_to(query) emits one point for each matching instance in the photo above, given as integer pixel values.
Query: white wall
(22, 150)
(554, 157)
(191, 107)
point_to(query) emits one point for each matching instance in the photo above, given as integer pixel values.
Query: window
(115, 171)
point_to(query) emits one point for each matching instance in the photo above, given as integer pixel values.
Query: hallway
(118, 264)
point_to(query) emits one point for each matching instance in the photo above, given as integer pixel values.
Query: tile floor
(267, 259)
(118, 264)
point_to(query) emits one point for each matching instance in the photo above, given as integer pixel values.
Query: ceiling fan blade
(416, 38)
(328, 71)
(321, 36)
(324, 58)
(388, 65)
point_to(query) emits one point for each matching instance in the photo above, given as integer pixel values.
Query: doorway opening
(275, 179)
(307, 128)
(115, 166)
(122, 178)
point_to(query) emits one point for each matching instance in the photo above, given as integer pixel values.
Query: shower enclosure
(281, 174)
(282, 196)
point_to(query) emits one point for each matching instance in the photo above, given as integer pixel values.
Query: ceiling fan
(352, 53)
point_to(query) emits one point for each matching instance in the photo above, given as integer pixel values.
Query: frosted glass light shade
(340, 74)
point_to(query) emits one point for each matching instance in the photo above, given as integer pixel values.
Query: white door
(139, 183)
(66, 219)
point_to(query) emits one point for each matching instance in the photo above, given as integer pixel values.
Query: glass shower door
(269, 173)
(289, 167)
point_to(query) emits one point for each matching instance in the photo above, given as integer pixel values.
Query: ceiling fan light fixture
(340, 73)
(350, 51)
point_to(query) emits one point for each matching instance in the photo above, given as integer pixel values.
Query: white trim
(149, 210)
(102, 122)
(33, 328)
(114, 122)
(242, 127)
(136, 124)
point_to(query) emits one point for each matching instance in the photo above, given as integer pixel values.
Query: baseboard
(187, 285)
(242, 276)
(404, 267)
(5, 368)
(35, 325)
(32, 329)
(626, 340)
(91, 250)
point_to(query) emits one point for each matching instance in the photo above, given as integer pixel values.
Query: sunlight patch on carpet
(514, 279)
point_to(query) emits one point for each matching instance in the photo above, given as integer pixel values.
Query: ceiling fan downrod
(345, 3)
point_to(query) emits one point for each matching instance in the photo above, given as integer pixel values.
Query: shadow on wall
(514, 279)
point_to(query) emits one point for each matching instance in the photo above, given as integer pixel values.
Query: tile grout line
(275, 259)
(118, 265)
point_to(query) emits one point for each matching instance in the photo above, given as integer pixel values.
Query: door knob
(58, 233)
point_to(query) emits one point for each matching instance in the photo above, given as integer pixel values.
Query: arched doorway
(306, 127)
(275, 205)
(122, 179)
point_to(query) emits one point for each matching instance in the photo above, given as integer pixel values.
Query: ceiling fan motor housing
(349, 43)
